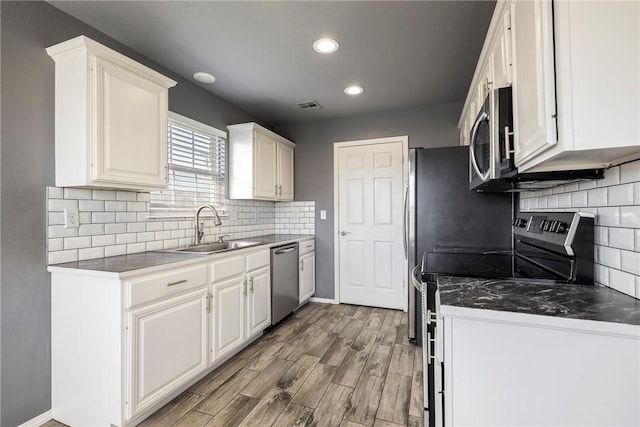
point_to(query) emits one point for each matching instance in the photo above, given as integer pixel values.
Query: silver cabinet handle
(244, 288)
(280, 190)
(344, 233)
(275, 190)
(301, 265)
(251, 284)
(177, 282)
(405, 240)
(507, 142)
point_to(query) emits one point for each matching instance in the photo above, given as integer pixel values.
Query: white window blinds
(196, 156)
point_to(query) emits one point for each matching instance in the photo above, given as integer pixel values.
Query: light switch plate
(323, 214)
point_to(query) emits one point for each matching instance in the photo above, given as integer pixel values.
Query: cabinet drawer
(226, 268)
(259, 259)
(170, 282)
(307, 246)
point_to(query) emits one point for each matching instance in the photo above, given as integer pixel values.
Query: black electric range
(549, 248)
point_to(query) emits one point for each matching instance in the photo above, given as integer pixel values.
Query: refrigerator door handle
(405, 238)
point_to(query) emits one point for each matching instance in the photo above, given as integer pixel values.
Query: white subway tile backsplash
(117, 222)
(616, 202)
(102, 217)
(91, 205)
(630, 216)
(622, 281)
(630, 172)
(103, 195)
(597, 197)
(115, 206)
(77, 193)
(630, 262)
(90, 253)
(620, 238)
(620, 195)
(608, 216)
(103, 240)
(126, 196)
(90, 229)
(115, 250)
(55, 193)
(58, 257)
(77, 242)
(608, 256)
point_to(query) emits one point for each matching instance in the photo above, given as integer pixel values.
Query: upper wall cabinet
(110, 119)
(260, 164)
(575, 81)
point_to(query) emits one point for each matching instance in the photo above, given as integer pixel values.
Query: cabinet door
(167, 347)
(285, 172)
(500, 56)
(534, 104)
(307, 276)
(258, 301)
(264, 165)
(130, 128)
(228, 315)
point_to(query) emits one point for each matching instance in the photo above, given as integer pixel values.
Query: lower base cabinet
(168, 344)
(512, 369)
(307, 270)
(123, 347)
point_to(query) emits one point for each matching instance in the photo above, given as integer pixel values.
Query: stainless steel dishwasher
(284, 281)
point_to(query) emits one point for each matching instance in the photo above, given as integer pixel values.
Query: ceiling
(404, 53)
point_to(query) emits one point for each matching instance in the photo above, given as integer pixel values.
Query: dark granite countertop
(128, 263)
(584, 302)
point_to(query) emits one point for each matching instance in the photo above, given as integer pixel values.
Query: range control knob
(544, 225)
(561, 227)
(520, 222)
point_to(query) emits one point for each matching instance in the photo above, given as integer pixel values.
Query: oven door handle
(416, 283)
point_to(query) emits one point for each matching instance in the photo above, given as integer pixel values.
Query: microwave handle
(472, 146)
(507, 142)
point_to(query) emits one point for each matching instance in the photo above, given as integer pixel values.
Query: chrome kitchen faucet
(200, 226)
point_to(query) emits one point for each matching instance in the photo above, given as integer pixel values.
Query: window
(196, 157)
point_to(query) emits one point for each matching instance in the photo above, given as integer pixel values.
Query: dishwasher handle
(284, 251)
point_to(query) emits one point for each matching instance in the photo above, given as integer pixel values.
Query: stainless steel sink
(209, 248)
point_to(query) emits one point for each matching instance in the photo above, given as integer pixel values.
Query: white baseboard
(323, 300)
(39, 420)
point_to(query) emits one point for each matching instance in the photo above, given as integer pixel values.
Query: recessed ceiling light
(354, 90)
(205, 78)
(325, 45)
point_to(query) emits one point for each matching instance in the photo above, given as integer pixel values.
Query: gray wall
(431, 126)
(26, 156)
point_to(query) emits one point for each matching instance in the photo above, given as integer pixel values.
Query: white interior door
(369, 224)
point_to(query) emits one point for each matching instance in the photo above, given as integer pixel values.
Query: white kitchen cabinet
(307, 273)
(260, 164)
(575, 81)
(534, 101)
(110, 119)
(258, 301)
(168, 344)
(228, 316)
(241, 289)
(513, 369)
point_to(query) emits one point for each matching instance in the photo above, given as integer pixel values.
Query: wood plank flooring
(327, 365)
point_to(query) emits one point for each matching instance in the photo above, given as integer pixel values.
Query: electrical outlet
(71, 219)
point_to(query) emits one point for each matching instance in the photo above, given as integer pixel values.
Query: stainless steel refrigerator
(443, 212)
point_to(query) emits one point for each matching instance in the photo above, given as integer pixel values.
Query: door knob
(344, 233)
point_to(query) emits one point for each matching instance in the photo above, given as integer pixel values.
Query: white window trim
(190, 212)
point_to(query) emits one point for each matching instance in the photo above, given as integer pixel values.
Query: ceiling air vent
(311, 105)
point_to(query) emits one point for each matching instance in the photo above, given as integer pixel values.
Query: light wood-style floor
(327, 365)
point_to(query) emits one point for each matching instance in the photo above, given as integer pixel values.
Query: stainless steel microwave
(490, 147)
